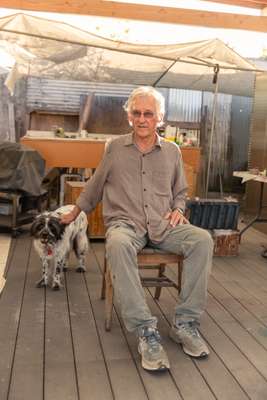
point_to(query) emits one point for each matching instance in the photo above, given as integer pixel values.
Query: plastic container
(214, 213)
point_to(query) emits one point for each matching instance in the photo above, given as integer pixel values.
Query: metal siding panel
(219, 156)
(240, 127)
(65, 95)
(184, 105)
(258, 140)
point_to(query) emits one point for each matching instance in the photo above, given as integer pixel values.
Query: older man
(143, 187)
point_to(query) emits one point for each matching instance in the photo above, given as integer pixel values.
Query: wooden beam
(144, 13)
(242, 3)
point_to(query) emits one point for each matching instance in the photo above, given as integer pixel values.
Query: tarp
(57, 50)
(21, 169)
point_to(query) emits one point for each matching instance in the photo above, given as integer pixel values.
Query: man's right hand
(71, 216)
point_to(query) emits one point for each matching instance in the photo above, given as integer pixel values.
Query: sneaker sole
(174, 337)
(163, 366)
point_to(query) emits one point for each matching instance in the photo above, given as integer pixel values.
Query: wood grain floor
(53, 345)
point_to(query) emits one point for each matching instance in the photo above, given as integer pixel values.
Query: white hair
(146, 91)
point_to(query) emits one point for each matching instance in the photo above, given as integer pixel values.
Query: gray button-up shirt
(137, 188)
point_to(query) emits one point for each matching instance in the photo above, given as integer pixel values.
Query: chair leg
(160, 274)
(180, 272)
(103, 290)
(109, 300)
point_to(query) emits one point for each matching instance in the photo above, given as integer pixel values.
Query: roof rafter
(144, 13)
(243, 3)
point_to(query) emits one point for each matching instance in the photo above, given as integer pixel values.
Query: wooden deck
(53, 345)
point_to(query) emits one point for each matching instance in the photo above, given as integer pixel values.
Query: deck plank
(60, 373)
(10, 309)
(27, 376)
(92, 373)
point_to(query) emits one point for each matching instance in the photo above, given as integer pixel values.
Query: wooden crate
(226, 244)
(95, 218)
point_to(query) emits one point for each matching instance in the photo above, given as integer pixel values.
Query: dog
(53, 242)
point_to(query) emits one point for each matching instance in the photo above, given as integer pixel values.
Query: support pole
(216, 82)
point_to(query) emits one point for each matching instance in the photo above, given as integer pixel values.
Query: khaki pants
(122, 246)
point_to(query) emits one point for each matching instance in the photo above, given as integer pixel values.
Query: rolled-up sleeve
(93, 190)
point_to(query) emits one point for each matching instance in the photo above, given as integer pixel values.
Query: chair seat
(147, 258)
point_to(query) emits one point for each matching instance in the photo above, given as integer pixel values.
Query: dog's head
(47, 228)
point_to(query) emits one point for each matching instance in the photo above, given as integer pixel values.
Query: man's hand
(176, 218)
(71, 216)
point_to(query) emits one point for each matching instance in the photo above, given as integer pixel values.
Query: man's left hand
(176, 218)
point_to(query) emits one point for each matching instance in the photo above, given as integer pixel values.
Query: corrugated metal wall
(12, 111)
(241, 114)
(219, 155)
(62, 95)
(258, 140)
(184, 105)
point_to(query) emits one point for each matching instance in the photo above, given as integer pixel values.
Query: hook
(216, 70)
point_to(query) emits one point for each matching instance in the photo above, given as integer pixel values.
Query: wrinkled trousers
(122, 246)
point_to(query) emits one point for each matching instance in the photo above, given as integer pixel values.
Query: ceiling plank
(243, 3)
(143, 13)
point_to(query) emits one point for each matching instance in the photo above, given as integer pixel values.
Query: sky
(246, 43)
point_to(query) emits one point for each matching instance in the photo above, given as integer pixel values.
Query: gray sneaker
(192, 343)
(154, 357)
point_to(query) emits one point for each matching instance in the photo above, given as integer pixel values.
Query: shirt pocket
(161, 184)
(162, 194)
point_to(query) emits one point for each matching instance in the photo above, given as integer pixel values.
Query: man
(142, 184)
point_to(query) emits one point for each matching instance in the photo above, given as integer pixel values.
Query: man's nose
(142, 118)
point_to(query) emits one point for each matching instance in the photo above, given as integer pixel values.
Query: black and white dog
(53, 242)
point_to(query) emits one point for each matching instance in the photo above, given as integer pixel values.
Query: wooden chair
(148, 258)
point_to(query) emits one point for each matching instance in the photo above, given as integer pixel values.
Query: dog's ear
(37, 225)
(56, 227)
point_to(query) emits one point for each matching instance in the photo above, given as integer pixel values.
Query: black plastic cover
(21, 169)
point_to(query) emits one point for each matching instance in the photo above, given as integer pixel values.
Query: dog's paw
(56, 286)
(41, 283)
(80, 269)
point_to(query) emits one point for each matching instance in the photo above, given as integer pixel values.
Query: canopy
(36, 45)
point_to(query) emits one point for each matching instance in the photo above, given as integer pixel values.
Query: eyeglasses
(146, 114)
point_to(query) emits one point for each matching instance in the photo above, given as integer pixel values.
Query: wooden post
(85, 110)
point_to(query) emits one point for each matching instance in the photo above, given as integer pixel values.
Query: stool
(147, 258)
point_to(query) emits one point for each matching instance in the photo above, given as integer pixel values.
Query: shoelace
(189, 328)
(152, 337)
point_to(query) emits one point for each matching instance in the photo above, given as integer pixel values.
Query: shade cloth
(58, 50)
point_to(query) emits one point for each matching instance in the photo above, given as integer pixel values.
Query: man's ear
(130, 119)
(160, 119)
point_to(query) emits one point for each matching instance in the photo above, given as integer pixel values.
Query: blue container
(214, 213)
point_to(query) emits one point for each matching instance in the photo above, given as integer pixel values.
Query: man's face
(143, 116)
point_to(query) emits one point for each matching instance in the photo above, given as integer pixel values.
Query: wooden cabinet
(95, 219)
(191, 157)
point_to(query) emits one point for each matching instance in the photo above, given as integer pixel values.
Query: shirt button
(144, 190)
(146, 205)
(147, 222)
(144, 172)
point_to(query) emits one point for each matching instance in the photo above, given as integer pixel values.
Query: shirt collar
(129, 140)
